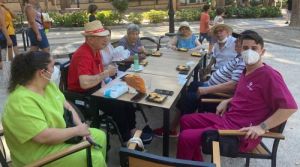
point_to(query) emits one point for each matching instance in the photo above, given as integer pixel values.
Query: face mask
(223, 41)
(250, 57)
(54, 75)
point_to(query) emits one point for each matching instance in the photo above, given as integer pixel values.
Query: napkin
(116, 90)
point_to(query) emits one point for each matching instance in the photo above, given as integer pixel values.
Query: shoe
(286, 22)
(159, 132)
(146, 138)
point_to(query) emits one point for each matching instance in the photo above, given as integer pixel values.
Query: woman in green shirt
(33, 121)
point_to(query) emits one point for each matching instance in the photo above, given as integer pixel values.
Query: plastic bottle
(136, 64)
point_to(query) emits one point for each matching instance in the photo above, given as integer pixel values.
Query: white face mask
(54, 75)
(223, 41)
(250, 57)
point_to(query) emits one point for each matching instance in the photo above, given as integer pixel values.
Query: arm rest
(216, 153)
(239, 133)
(211, 100)
(53, 157)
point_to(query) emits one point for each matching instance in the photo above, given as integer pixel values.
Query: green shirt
(26, 114)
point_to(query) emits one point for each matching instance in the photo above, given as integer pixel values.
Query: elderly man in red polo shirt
(86, 73)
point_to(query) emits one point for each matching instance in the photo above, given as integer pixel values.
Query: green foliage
(256, 2)
(108, 17)
(188, 15)
(155, 16)
(120, 5)
(74, 19)
(135, 18)
(253, 12)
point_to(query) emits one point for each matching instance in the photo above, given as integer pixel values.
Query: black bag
(68, 116)
(229, 145)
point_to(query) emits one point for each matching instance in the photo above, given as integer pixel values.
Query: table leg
(166, 120)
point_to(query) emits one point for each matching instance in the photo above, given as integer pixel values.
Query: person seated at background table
(223, 80)
(33, 121)
(261, 102)
(185, 39)
(132, 42)
(223, 49)
(86, 73)
(92, 10)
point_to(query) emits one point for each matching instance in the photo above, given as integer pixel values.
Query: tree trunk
(265, 3)
(213, 4)
(271, 2)
(295, 18)
(65, 4)
(220, 3)
(247, 3)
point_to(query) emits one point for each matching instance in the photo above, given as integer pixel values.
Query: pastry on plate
(197, 54)
(183, 49)
(156, 53)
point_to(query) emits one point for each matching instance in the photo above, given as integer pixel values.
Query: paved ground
(283, 53)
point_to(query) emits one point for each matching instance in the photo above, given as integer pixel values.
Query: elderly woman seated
(33, 121)
(185, 38)
(132, 42)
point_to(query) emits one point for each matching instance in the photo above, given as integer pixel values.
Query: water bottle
(136, 64)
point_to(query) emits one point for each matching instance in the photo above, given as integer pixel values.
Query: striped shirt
(230, 71)
(225, 54)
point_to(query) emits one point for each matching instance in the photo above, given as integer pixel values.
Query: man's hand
(222, 107)
(253, 132)
(83, 130)
(112, 70)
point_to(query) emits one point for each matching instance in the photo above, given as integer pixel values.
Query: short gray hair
(133, 28)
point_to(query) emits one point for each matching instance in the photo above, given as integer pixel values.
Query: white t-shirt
(107, 55)
(218, 20)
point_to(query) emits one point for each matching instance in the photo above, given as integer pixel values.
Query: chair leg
(247, 162)
(273, 162)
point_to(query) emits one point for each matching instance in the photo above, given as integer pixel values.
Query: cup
(148, 83)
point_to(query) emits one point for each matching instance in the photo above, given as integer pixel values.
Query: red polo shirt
(83, 62)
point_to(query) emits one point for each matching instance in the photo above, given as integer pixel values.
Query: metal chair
(88, 105)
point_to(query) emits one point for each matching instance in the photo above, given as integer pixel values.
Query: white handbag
(6, 65)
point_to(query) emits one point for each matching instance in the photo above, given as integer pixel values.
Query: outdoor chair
(88, 105)
(49, 158)
(262, 151)
(131, 157)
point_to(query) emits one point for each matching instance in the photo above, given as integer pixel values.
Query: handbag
(68, 117)
(229, 145)
(6, 66)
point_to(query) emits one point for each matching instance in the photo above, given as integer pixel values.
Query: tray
(183, 68)
(156, 54)
(156, 98)
(182, 49)
(196, 54)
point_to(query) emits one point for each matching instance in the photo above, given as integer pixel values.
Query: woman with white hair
(185, 38)
(132, 42)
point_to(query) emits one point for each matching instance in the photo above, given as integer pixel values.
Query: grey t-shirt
(133, 48)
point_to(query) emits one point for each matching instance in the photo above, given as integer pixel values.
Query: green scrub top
(27, 113)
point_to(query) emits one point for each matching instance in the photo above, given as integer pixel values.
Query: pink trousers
(191, 128)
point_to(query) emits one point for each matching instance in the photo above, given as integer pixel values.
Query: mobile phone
(184, 72)
(138, 97)
(164, 92)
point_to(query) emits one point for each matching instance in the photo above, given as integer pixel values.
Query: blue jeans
(189, 100)
(34, 42)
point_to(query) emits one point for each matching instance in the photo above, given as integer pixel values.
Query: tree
(295, 18)
(65, 4)
(220, 4)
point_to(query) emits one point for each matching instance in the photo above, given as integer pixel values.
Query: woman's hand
(253, 132)
(9, 42)
(39, 37)
(222, 107)
(83, 130)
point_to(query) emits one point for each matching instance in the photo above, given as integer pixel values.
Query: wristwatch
(264, 126)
